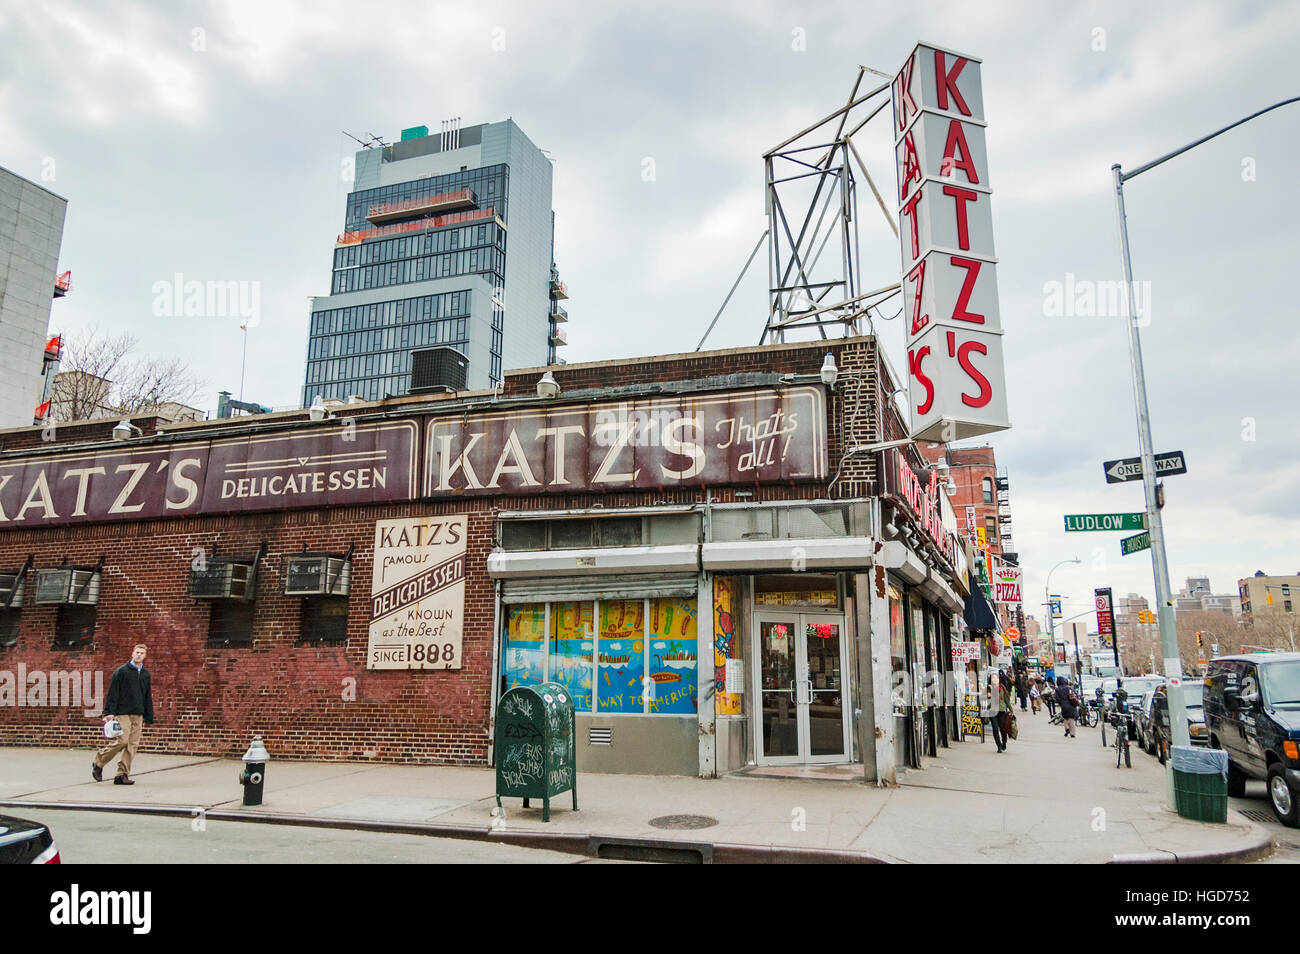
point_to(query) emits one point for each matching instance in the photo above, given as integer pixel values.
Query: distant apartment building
(447, 241)
(31, 232)
(1198, 597)
(1268, 596)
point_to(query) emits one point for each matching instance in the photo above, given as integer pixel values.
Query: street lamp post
(1047, 603)
(1155, 527)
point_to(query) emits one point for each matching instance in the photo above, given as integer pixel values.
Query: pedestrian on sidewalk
(130, 702)
(996, 712)
(1034, 695)
(1049, 696)
(1022, 689)
(1069, 704)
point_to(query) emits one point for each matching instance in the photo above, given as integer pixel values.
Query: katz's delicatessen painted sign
(956, 381)
(417, 593)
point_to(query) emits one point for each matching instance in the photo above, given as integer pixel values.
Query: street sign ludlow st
(1130, 468)
(1087, 522)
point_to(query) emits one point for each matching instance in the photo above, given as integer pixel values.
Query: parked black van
(1252, 709)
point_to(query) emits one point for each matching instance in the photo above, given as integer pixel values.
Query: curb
(611, 847)
(1261, 846)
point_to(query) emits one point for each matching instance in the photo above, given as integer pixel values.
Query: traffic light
(1199, 643)
(1268, 597)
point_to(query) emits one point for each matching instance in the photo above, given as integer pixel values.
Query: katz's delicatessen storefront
(692, 551)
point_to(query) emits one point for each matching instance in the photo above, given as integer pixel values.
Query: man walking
(130, 702)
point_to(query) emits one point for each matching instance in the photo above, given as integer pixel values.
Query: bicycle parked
(1123, 735)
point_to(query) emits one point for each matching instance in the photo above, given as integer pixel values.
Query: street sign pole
(1155, 526)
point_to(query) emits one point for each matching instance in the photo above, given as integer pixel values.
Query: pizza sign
(1007, 584)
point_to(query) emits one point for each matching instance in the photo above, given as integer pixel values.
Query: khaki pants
(126, 743)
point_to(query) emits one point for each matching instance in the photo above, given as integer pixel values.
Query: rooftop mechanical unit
(438, 369)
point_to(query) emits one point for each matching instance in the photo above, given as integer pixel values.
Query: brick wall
(319, 700)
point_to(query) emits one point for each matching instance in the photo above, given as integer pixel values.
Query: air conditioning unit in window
(317, 575)
(61, 585)
(11, 590)
(222, 580)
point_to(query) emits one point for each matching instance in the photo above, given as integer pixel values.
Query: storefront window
(621, 660)
(918, 650)
(673, 656)
(803, 589)
(640, 655)
(897, 647)
(524, 652)
(571, 650)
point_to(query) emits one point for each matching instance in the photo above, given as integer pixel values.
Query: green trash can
(1200, 783)
(535, 745)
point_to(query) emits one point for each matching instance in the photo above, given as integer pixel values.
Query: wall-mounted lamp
(317, 410)
(547, 386)
(125, 430)
(830, 373)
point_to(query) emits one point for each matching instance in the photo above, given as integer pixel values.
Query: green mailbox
(535, 745)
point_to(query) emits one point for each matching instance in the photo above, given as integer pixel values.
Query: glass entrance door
(799, 668)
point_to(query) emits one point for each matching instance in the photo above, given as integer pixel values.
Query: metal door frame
(799, 615)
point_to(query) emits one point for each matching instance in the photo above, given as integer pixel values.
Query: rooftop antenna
(816, 172)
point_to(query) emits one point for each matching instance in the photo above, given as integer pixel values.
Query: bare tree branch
(100, 377)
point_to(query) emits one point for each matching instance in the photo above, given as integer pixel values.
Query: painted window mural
(621, 661)
(640, 656)
(725, 644)
(524, 653)
(672, 635)
(571, 651)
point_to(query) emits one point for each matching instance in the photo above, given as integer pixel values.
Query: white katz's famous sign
(956, 382)
(1006, 585)
(417, 595)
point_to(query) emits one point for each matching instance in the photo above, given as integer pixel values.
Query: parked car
(1142, 717)
(1252, 705)
(1159, 734)
(24, 842)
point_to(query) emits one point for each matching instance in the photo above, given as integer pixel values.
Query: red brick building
(700, 547)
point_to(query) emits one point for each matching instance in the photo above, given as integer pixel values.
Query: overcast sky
(206, 139)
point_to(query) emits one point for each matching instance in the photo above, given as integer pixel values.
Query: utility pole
(1155, 527)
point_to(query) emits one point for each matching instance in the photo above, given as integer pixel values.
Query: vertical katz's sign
(956, 382)
(417, 595)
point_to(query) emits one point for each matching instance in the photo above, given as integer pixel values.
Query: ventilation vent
(600, 736)
(438, 369)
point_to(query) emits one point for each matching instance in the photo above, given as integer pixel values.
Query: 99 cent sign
(956, 381)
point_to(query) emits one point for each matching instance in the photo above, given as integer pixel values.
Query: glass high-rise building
(447, 241)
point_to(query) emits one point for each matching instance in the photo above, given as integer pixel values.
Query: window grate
(600, 736)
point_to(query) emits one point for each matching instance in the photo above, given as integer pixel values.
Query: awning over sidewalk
(978, 614)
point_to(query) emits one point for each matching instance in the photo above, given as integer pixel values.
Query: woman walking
(1069, 704)
(998, 704)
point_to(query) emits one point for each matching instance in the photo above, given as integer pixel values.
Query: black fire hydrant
(254, 775)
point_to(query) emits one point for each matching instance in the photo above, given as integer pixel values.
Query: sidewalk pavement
(1047, 799)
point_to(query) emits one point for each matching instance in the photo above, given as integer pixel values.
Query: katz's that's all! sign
(956, 381)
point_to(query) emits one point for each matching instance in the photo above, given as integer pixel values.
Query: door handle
(794, 692)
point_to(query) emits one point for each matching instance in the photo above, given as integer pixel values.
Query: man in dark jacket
(130, 702)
